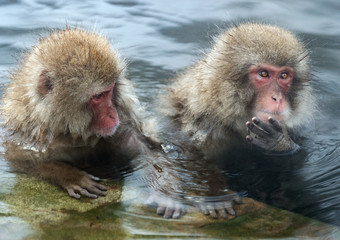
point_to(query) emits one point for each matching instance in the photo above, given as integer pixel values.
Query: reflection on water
(162, 37)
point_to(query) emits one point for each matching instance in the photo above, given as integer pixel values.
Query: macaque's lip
(106, 132)
(276, 113)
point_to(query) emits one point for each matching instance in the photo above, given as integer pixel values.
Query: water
(160, 38)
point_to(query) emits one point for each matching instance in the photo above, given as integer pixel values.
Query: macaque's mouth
(276, 113)
(106, 132)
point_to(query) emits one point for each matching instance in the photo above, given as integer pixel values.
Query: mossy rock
(52, 214)
(37, 201)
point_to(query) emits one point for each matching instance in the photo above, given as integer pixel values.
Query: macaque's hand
(271, 137)
(87, 186)
(166, 206)
(217, 206)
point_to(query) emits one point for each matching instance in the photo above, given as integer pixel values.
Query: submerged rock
(51, 214)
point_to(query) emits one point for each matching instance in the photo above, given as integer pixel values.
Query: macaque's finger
(276, 125)
(85, 193)
(100, 186)
(229, 208)
(169, 212)
(265, 126)
(170, 208)
(95, 190)
(179, 211)
(222, 213)
(256, 130)
(160, 210)
(249, 139)
(92, 186)
(72, 193)
(203, 209)
(259, 143)
(177, 214)
(212, 211)
(238, 200)
(94, 177)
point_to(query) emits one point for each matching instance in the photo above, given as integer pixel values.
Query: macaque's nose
(277, 98)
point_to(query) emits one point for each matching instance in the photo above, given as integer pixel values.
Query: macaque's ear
(45, 83)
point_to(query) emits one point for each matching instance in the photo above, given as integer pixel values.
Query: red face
(271, 84)
(106, 120)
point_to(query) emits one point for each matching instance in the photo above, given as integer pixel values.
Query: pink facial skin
(271, 84)
(106, 120)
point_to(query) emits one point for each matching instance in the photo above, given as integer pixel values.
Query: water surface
(160, 38)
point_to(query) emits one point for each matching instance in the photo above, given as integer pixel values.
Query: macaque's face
(271, 83)
(105, 120)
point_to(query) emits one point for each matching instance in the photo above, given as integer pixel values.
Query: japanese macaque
(254, 84)
(69, 102)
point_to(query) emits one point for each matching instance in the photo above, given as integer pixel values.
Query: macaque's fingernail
(249, 138)
(95, 178)
(213, 214)
(160, 210)
(231, 211)
(255, 120)
(101, 187)
(270, 119)
(238, 200)
(250, 125)
(247, 123)
(102, 194)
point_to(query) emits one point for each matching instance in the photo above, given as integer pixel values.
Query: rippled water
(160, 38)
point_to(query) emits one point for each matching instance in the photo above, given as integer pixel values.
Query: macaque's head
(268, 68)
(78, 80)
(69, 84)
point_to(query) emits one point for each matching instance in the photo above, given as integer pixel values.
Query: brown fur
(46, 107)
(213, 99)
(80, 64)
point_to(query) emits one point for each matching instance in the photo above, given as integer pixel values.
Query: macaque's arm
(271, 137)
(76, 182)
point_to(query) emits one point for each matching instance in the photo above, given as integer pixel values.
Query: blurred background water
(159, 38)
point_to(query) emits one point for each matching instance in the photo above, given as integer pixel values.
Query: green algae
(47, 212)
(269, 222)
(37, 201)
(99, 223)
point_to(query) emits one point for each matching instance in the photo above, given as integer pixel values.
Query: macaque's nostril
(274, 98)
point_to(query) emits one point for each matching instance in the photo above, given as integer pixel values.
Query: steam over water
(160, 38)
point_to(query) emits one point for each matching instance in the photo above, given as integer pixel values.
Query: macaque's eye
(99, 96)
(264, 73)
(284, 75)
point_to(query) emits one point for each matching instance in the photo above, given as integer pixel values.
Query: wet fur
(212, 100)
(85, 65)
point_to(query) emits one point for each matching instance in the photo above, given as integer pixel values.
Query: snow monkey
(69, 109)
(253, 85)
(69, 101)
